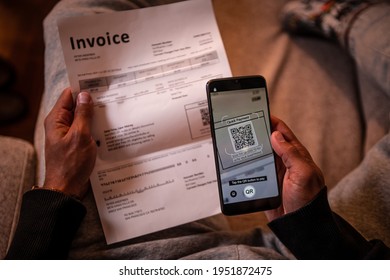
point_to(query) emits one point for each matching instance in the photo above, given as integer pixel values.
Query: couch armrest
(17, 174)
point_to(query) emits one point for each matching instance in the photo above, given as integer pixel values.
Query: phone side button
(249, 191)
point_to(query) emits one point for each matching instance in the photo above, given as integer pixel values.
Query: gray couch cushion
(17, 174)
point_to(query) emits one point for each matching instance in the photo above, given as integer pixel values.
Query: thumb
(83, 112)
(288, 152)
(297, 160)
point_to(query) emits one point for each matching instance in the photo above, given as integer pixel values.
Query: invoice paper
(146, 70)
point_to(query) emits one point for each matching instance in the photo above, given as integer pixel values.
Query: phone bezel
(233, 84)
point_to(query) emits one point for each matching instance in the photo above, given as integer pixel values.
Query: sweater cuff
(48, 222)
(315, 232)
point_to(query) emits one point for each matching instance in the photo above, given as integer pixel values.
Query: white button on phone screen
(249, 191)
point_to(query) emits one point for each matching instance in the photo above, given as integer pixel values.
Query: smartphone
(244, 159)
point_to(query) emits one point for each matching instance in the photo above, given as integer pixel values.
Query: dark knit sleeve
(47, 224)
(315, 232)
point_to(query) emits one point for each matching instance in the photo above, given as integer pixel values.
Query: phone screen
(241, 134)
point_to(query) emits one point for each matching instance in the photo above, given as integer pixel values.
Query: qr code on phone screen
(242, 136)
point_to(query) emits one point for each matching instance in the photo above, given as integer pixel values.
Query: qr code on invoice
(242, 136)
(204, 114)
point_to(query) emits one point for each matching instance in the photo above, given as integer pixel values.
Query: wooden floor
(21, 44)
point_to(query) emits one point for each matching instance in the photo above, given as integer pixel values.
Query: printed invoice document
(146, 70)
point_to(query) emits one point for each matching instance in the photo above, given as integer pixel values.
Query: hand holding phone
(302, 178)
(241, 129)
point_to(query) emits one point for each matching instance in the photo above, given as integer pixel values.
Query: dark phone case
(228, 84)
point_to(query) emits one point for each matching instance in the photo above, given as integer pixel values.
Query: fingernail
(279, 136)
(83, 98)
